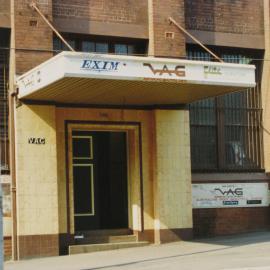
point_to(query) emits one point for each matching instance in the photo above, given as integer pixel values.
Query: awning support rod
(171, 20)
(34, 6)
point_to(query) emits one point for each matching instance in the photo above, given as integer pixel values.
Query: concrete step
(77, 249)
(99, 239)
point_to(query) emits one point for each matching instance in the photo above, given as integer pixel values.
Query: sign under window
(230, 195)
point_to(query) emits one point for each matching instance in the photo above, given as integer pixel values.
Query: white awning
(88, 78)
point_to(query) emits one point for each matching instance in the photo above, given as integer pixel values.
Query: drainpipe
(265, 87)
(11, 101)
(1, 221)
(151, 46)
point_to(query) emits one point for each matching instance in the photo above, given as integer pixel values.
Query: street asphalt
(241, 252)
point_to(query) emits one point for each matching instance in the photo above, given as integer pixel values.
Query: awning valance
(87, 78)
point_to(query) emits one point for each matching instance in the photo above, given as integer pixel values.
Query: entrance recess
(100, 192)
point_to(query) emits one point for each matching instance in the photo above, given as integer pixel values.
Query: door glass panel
(82, 147)
(83, 189)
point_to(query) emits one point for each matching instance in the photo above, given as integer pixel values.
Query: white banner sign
(230, 195)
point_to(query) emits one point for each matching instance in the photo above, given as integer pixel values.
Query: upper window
(226, 131)
(4, 77)
(58, 45)
(102, 45)
(90, 46)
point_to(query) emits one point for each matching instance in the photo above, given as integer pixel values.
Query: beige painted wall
(41, 169)
(7, 226)
(266, 89)
(37, 202)
(173, 200)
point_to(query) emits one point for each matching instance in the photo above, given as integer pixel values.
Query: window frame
(140, 45)
(253, 109)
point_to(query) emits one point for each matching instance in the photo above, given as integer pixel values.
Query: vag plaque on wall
(33, 140)
(230, 195)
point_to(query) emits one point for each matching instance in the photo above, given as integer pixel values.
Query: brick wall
(5, 6)
(167, 47)
(114, 11)
(224, 221)
(4, 13)
(33, 34)
(7, 248)
(230, 16)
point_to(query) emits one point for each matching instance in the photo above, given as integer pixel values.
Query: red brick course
(116, 11)
(4, 13)
(163, 46)
(32, 37)
(5, 6)
(229, 16)
(35, 246)
(7, 247)
(224, 221)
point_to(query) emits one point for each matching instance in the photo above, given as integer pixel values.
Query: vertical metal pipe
(11, 97)
(151, 46)
(1, 216)
(1, 230)
(265, 93)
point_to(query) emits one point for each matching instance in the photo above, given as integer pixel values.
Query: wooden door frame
(134, 167)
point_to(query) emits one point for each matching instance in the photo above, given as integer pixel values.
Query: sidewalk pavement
(241, 252)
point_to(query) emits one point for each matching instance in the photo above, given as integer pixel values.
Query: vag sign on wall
(100, 66)
(230, 195)
(33, 140)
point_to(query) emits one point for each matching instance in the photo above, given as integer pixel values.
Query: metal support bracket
(182, 29)
(33, 5)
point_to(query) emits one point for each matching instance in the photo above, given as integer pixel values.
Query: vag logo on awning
(100, 66)
(178, 70)
(230, 191)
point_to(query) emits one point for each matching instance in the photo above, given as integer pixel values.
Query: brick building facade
(236, 30)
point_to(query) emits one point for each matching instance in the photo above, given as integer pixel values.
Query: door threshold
(105, 232)
(105, 236)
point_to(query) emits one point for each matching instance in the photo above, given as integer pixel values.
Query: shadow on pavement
(238, 240)
(229, 242)
(156, 259)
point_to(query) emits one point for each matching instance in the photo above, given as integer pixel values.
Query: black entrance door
(99, 161)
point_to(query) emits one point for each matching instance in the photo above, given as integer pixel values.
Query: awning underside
(123, 92)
